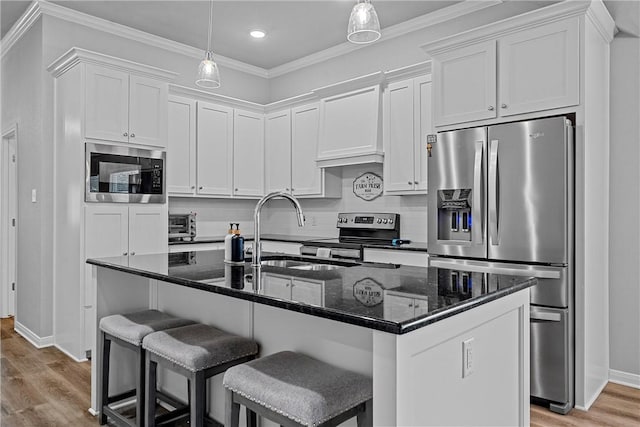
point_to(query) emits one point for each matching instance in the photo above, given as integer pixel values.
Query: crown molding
(75, 56)
(534, 18)
(415, 70)
(201, 95)
(602, 20)
(350, 85)
(292, 102)
(43, 7)
(439, 16)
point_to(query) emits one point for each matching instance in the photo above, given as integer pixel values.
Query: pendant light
(208, 73)
(364, 26)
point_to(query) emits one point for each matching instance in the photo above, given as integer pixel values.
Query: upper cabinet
(407, 122)
(248, 154)
(523, 71)
(214, 154)
(350, 122)
(124, 107)
(181, 146)
(291, 144)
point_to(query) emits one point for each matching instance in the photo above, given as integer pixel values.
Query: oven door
(124, 174)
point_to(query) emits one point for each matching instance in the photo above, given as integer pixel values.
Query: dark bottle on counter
(237, 246)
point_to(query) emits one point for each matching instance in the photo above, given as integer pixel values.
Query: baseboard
(624, 378)
(593, 398)
(84, 359)
(34, 339)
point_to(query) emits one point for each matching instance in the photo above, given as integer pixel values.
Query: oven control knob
(379, 221)
(390, 221)
(385, 220)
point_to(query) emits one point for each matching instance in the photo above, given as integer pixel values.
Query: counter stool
(295, 390)
(128, 330)
(197, 352)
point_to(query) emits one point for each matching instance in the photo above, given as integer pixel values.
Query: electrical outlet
(467, 357)
(314, 221)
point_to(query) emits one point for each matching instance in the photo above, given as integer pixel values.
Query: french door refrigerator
(500, 201)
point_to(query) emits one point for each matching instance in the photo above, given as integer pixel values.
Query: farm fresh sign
(368, 186)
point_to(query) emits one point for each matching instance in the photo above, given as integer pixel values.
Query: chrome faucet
(257, 250)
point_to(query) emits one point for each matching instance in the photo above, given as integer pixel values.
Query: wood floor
(44, 387)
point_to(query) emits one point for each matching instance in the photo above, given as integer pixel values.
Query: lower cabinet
(119, 230)
(294, 288)
(401, 306)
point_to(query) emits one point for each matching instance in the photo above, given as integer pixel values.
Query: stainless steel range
(356, 230)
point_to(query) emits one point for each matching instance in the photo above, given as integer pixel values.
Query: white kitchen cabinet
(465, 84)
(248, 154)
(408, 121)
(148, 230)
(277, 286)
(530, 70)
(307, 291)
(277, 153)
(124, 107)
(214, 154)
(400, 306)
(181, 146)
(291, 146)
(350, 130)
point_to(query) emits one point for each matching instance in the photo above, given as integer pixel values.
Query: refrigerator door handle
(493, 187)
(476, 217)
(545, 316)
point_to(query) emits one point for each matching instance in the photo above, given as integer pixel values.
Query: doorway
(8, 221)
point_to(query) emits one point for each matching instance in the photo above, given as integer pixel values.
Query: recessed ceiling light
(257, 34)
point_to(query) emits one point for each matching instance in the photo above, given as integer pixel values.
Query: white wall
(214, 215)
(279, 216)
(624, 255)
(23, 78)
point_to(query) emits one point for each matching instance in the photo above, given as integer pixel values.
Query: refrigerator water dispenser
(454, 214)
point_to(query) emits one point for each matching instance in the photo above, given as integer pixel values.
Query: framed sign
(368, 292)
(368, 186)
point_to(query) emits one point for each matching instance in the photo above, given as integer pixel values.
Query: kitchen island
(403, 326)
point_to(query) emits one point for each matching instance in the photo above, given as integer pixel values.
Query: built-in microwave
(120, 174)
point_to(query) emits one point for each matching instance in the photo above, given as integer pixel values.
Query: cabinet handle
(293, 189)
(504, 106)
(490, 108)
(193, 187)
(409, 182)
(125, 134)
(133, 253)
(200, 188)
(410, 305)
(416, 182)
(286, 189)
(133, 135)
(236, 189)
(124, 253)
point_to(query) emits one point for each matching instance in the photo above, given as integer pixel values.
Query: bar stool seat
(128, 330)
(197, 352)
(293, 389)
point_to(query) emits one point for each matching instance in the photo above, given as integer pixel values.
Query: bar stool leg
(150, 378)
(365, 418)
(104, 375)
(198, 400)
(232, 411)
(140, 386)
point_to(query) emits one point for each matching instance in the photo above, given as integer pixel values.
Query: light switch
(467, 357)
(33, 195)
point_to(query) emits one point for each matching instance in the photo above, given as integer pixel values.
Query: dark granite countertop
(413, 246)
(391, 298)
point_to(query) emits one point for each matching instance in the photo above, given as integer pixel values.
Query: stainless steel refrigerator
(500, 201)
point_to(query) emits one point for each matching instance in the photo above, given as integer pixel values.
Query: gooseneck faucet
(257, 250)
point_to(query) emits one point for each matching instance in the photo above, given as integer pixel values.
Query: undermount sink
(284, 263)
(307, 264)
(316, 267)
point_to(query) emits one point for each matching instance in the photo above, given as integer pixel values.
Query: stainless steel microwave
(120, 174)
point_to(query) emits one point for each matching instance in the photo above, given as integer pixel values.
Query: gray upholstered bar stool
(128, 330)
(197, 352)
(292, 389)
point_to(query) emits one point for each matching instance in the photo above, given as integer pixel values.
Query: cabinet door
(214, 149)
(539, 68)
(148, 229)
(306, 176)
(423, 126)
(107, 104)
(105, 235)
(248, 154)
(277, 153)
(399, 137)
(308, 291)
(397, 308)
(148, 111)
(465, 84)
(276, 286)
(181, 146)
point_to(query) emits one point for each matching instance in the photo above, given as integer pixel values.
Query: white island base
(417, 376)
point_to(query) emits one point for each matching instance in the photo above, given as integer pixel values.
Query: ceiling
(294, 28)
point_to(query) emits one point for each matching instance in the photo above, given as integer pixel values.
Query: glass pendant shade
(364, 26)
(208, 73)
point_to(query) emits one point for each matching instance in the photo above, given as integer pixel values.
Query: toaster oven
(182, 227)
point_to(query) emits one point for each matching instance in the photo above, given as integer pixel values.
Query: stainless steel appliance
(501, 200)
(182, 227)
(124, 174)
(356, 229)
